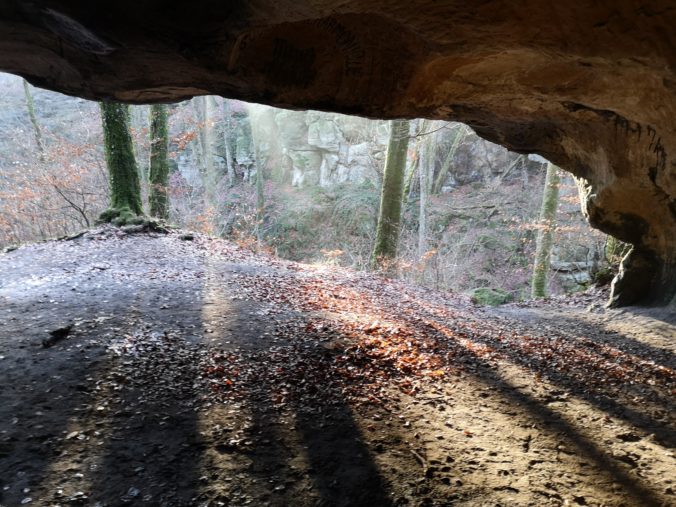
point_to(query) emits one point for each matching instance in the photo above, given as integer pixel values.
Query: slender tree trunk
(425, 162)
(34, 121)
(159, 162)
(212, 173)
(198, 143)
(226, 118)
(137, 122)
(125, 189)
(422, 220)
(545, 235)
(410, 173)
(260, 202)
(389, 216)
(441, 177)
(416, 126)
(260, 186)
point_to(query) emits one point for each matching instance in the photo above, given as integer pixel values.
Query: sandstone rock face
(589, 85)
(327, 150)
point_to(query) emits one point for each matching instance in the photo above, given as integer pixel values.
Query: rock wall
(589, 85)
(324, 149)
(320, 152)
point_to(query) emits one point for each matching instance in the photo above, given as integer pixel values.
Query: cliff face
(590, 86)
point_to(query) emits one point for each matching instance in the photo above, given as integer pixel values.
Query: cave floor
(193, 372)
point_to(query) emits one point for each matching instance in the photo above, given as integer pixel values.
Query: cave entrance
(470, 215)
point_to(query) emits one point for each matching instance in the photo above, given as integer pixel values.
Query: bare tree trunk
(198, 143)
(545, 236)
(211, 173)
(34, 121)
(389, 216)
(260, 203)
(424, 163)
(260, 187)
(416, 126)
(226, 118)
(441, 177)
(209, 138)
(138, 118)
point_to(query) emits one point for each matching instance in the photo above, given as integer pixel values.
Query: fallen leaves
(215, 333)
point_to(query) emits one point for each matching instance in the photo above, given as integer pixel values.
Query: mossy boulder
(490, 296)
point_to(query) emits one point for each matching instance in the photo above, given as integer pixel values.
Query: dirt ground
(147, 369)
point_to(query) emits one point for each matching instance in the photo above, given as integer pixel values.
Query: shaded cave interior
(589, 87)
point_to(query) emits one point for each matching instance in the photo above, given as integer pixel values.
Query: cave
(590, 86)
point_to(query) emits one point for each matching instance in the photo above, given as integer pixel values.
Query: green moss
(120, 217)
(490, 242)
(125, 216)
(125, 188)
(108, 215)
(389, 216)
(159, 161)
(490, 296)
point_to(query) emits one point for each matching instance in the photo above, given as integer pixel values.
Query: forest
(218, 303)
(307, 186)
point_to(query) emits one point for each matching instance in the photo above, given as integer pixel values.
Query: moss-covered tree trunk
(34, 121)
(125, 188)
(545, 235)
(159, 162)
(389, 216)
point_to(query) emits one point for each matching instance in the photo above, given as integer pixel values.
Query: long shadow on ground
(625, 398)
(300, 436)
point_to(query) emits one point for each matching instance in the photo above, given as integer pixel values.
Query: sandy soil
(142, 369)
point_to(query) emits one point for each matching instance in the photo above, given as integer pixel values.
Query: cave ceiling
(589, 85)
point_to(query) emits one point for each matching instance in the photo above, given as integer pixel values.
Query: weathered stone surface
(589, 85)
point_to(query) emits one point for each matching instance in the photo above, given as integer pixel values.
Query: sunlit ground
(200, 374)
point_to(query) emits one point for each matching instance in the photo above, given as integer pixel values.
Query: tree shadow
(42, 391)
(467, 338)
(101, 435)
(639, 493)
(622, 399)
(595, 334)
(343, 470)
(337, 465)
(305, 446)
(48, 391)
(129, 428)
(152, 449)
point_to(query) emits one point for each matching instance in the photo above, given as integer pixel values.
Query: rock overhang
(590, 86)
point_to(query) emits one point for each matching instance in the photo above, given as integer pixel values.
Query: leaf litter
(199, 373)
